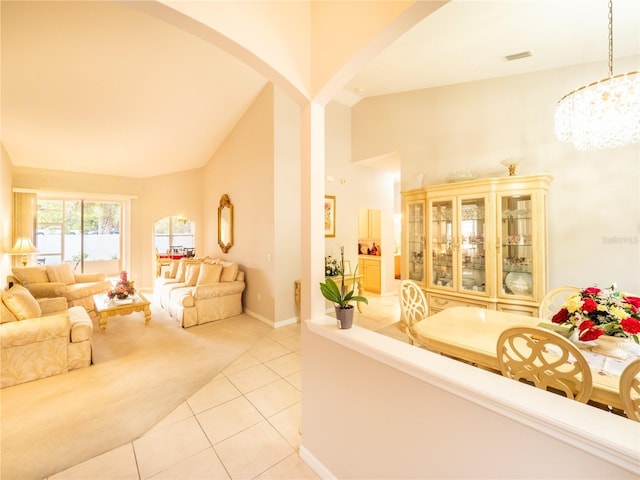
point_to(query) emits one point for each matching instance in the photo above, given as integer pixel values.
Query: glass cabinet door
(442, 236)
(516, 238)
(472, 233)
(415, 241)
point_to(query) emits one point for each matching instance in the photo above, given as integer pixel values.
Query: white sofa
(59, 280)
(40, 338)
(200, 290)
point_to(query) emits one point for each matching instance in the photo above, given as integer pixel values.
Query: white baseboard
(281, 323)
(314, 464)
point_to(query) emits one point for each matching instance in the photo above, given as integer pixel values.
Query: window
(174, 232)
(78, 231)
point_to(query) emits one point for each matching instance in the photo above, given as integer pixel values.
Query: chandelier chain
(610, 38)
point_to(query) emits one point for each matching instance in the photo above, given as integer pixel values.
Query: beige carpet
(140, 374)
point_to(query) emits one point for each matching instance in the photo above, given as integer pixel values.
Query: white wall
(594, 200)
(385, 409)
(356, 187)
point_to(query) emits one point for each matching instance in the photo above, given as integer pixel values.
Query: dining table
(471, 334)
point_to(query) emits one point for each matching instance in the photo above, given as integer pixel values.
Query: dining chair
(552, 302)
(160, 262)
(545, 359)
(413, 307)
(630, 390)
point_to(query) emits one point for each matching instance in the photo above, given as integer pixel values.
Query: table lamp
(23, 246)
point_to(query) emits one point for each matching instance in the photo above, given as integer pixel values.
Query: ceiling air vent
(517, 56)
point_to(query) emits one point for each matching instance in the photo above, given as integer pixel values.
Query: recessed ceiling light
(358, 90)
(517, 56)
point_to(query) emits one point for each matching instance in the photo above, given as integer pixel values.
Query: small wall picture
(329, 216)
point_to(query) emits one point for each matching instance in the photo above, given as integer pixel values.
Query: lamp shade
(22, 246)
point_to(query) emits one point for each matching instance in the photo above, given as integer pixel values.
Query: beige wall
(594, 200)
(154, 198)
(286, 200)
(258, 166)
(158, 197)
(255, 160)
(243, 168)
(379, 408)
(6, 202)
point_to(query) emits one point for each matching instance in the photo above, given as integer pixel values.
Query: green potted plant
(340, 297)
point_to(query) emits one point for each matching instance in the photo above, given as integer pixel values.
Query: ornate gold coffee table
(107, 307)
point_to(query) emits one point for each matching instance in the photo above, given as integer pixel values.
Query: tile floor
(244, 424)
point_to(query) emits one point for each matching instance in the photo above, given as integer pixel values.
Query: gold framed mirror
(225, 223)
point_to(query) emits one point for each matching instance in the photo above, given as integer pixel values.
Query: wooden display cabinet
(486, 242)
(413, 235)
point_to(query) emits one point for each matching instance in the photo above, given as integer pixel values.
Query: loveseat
(40, 338)
(59, 280)
(200, 290)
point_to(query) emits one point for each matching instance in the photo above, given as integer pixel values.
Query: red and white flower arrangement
(596, 312)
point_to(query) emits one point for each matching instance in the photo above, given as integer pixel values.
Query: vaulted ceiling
(100, 87)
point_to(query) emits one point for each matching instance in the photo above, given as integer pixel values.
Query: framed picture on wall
(329, 216)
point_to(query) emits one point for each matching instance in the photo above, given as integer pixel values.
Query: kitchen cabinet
(371, 271)
(486, 243)
(369, 224)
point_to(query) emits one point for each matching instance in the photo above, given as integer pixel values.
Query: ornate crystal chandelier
(603, 114)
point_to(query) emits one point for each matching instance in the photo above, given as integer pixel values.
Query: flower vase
(344, 317)
(610, 346)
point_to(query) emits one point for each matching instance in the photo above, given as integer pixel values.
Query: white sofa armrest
(24, 332)
(81, 325)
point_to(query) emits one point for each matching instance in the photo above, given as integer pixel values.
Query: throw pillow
(62, 273)
(191, 274)
(181, 271)
(27, 275)
(229, 272)
(209, 273)
(21, 303)
(174, 268)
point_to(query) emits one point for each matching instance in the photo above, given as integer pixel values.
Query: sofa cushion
(173, 271)
(191, 274)
(21, 303)
(229, 272)
(62, 273)
(209, 273)
(7, 315)
(181, 271)
(27, 275)
(85, 291)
